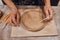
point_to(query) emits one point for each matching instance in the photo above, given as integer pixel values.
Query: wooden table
(5, 34)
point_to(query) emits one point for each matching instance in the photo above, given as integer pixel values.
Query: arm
(14, 18)
(48, 10)
(47, 2)
(11, 5)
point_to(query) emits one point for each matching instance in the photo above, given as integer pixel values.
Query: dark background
(34, 2)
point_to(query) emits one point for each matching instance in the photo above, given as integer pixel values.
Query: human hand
(15, 18)
(48, 13)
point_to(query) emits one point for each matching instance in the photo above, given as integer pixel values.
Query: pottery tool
(4, 21)
(43, 20)
(3, 24)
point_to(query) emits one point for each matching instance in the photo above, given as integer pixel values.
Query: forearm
(10, 4)
(47, 2)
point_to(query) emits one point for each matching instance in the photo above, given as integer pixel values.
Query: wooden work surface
(6, 33)
(49, 30)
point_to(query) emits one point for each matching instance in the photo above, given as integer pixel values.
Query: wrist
(47, 4)
(14, 11)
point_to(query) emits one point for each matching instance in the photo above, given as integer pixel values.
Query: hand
(48, 12)
(15, 18)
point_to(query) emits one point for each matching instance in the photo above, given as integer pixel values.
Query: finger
(51, 14)
(14, 20)
(47, 15)
(11, 23)
(18, 18)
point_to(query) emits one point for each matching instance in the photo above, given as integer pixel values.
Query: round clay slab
(31, 20)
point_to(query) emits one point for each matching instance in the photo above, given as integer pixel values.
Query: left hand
(48, 12)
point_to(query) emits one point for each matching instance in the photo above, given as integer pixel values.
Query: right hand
(48, 12)
(15, 18)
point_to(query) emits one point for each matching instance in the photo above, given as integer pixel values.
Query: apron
(34, 2)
